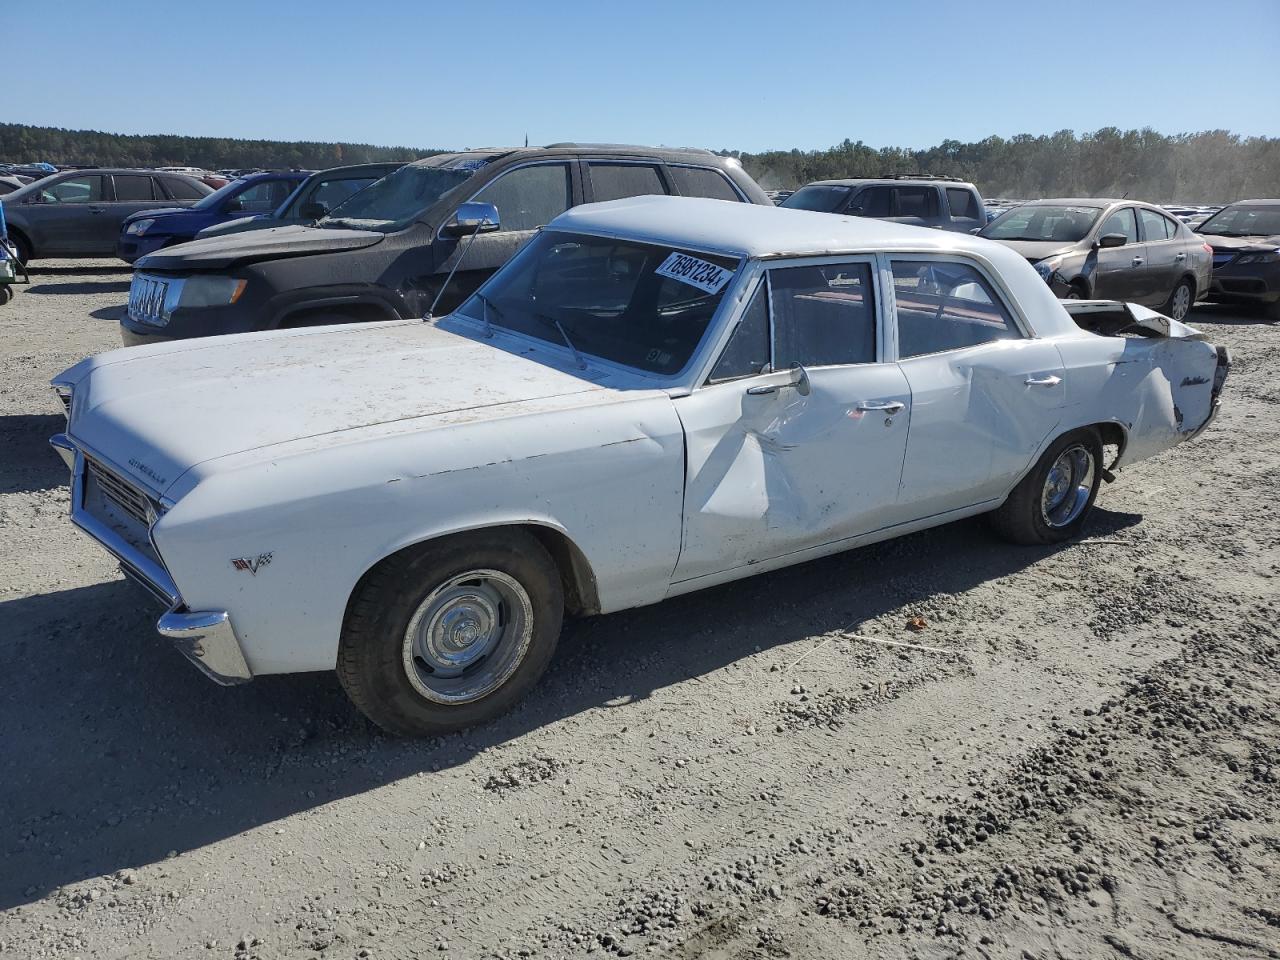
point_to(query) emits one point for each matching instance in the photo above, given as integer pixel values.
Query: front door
(984, 395)
(781, 459)
(71, 217)
(1120, 273)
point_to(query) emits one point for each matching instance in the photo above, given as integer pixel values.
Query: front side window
(132, 188)
(1154, 226)
(946, 306)
(643, 305)
(528, 197)
(265, 196)
(703, 182)
(75, 190)
(873, 202)
(823, 315)
(1122, 222)
(615, 181)
(747, 352)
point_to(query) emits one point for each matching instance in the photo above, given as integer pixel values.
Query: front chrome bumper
(205, 637)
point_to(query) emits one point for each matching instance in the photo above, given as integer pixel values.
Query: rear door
(1120, 273)
(1166, 256)
(984, 394)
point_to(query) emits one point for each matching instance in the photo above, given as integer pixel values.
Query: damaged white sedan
(655, 395)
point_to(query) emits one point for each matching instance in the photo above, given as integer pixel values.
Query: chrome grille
(124, 495)
(153, 299)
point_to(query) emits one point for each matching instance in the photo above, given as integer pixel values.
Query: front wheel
(451, 633)
(1053, 501)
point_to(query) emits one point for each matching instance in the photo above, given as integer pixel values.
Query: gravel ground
(1083, 765)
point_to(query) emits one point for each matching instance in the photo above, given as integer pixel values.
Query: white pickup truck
(656, 395)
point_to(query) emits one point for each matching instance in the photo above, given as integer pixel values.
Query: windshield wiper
(552, 321)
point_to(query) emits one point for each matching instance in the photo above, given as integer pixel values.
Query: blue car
(150, 230)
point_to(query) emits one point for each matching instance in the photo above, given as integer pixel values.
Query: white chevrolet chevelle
(655, 395)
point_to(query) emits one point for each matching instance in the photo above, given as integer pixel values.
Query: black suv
(386, 252)
(918, 200)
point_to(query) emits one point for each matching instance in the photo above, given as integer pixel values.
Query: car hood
(154, 213)
(1240, 243)
(154, 412)
(1035, 250)
(218, 253)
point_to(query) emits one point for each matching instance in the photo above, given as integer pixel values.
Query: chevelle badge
(697, 273)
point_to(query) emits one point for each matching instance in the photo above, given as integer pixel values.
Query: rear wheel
(451, 633)
(1179, 303)
(1053, 501)
(21, 246)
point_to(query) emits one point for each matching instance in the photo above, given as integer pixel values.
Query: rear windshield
(1251, 221)
(1043, 222)
(825, 199)
(643, 305)
(397, 199)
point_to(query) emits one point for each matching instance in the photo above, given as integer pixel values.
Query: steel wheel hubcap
(1181, 302)
(1067, 487)
(468, 636)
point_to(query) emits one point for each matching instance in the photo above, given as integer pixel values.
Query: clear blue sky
(747, 75)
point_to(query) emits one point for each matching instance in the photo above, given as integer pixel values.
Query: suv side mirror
(232, 206)
(472, 217)
(1113, 240)
(856, 211)
(312, 211)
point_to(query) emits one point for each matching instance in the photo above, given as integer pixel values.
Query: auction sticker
(697, 273)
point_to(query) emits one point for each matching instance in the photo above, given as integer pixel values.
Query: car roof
(1252, 203)
(890, 181)
(752, 230)
(489, 154)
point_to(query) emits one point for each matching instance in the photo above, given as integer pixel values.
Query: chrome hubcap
(1181, 302)
(1067, 487)
(468, 636)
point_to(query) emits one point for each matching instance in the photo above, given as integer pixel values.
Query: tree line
(1213, 166)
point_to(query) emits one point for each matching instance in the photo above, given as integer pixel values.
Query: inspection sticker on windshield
(695, 272)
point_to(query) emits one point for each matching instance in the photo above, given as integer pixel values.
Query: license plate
(148, 300)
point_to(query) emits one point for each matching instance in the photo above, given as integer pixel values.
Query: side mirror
(472, 218)
(232, 206)
(312, 211)
(1113, 240)
(856, 211)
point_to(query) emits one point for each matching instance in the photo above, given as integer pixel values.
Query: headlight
(139, 227)
(1271, 256)
(1047, 268)
(211, 291)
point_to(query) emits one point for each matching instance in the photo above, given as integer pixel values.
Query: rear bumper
(206, 637)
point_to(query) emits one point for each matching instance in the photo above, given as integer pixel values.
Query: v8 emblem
(252, 564)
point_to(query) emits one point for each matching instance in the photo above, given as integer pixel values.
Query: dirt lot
(1085, 765)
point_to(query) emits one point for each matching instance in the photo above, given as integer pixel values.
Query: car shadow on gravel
(114, 751)
(79, 287)
(27, 462)
(97, 269)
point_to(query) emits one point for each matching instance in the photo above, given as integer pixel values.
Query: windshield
(824, 199)
(213, 199)
(1043, 222)
(1251, 221)
(638, 304)
(396, 200)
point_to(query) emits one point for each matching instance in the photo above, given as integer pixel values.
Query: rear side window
(179, 189)
(915, 202)
(529, 197)
(701, 182)
(963, 203)
(823, 315)
(614, 181)
(133, 188)
(747, 352)
(1121, 221)
(946, 306)
(1155, 226)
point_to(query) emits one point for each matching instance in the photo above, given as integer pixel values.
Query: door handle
(763, 390)
(890, 407)
(1138, 261)
(1049, 381)
(95, 209)
(1181, 256)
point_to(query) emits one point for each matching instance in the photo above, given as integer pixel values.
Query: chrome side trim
(207, 639)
